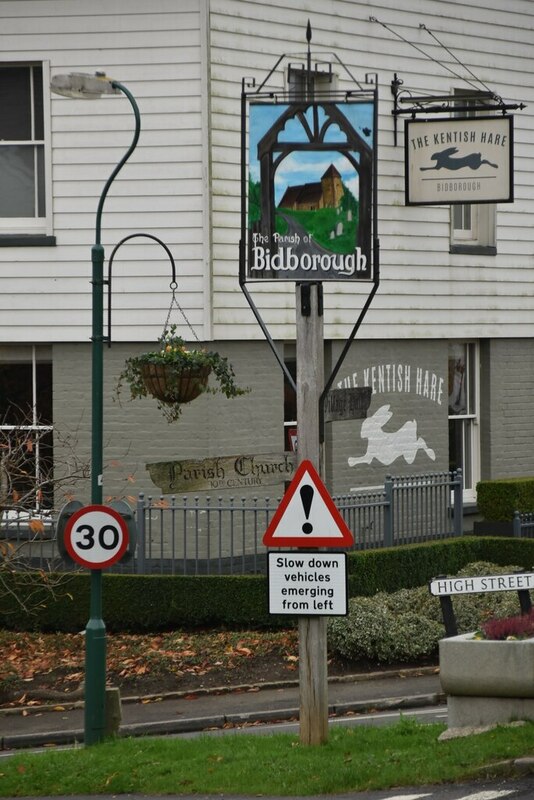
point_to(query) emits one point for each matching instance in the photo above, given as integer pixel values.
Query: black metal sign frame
(250, 92)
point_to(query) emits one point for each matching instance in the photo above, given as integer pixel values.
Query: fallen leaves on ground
(26, 657)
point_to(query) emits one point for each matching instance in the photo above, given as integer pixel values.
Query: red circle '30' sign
(96, 536)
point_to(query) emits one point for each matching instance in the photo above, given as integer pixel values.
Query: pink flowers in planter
(519, 627)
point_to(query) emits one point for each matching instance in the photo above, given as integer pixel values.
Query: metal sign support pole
(95, 666)
(312, 629)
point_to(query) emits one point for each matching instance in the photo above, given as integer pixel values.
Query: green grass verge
(353, 759)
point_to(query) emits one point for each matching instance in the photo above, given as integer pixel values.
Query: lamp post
(86, 87)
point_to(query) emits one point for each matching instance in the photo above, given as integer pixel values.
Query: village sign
(310, 189)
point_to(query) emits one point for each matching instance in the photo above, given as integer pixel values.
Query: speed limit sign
(96, 536)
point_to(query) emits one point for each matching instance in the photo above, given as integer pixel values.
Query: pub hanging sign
(459, 160)
(307, 190)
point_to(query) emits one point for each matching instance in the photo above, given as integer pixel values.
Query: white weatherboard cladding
(425, 292)
(183, 181)
(159, 52)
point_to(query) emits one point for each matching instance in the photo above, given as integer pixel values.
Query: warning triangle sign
(307, 516)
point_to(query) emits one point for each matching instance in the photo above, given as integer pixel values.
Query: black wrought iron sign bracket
(404, 102)
(323, 226)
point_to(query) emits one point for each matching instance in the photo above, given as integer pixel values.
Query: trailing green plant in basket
(175, 374)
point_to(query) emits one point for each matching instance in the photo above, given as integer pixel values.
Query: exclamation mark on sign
(306, 495)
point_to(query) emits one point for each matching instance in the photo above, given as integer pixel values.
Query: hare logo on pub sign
(404, 442)
(387, 447)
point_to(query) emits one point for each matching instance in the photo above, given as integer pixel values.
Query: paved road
(185, 713)
(360, 700)
(519, 789)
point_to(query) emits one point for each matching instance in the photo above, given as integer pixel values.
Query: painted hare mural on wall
(386, 447)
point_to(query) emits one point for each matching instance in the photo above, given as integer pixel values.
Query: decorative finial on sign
(308, 32)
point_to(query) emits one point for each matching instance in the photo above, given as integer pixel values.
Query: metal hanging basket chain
(168, 384)
(174, 303)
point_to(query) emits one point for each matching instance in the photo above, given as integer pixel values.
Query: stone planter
(487, 682)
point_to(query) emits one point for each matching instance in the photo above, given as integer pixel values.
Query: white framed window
(25, 162)
(320, 82)
(472, 224)
(290, 400)
(464, 221)
(464, 414)
(26, 429)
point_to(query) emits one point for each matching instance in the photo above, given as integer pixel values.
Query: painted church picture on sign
(310, 188)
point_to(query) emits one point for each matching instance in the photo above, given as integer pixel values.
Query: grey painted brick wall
(409, 377)
(507, 412)
(135, 433)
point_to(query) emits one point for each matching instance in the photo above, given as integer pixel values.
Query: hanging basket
(172, 384)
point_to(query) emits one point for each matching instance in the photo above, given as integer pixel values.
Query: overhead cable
(422, 26)
(427, 55)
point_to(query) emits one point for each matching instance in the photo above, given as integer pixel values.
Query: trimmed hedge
(407, 625)
(404, 567)
(498, 500)
(136, 603)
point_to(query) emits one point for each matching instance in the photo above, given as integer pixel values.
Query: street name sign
(308, 584)
(517, 581)
(307, 516)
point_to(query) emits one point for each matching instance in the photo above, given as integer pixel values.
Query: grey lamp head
(83, 85)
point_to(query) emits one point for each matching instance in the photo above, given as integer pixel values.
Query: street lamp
(87, 87)
(83, 86)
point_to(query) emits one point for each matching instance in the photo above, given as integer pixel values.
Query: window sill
(26, 240)
(473, 249)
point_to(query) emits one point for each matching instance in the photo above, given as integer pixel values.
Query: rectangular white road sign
(308, 584)
(517, 581)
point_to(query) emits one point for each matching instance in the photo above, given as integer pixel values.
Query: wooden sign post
(281, 243)
(313, 676)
